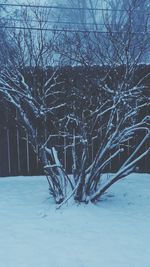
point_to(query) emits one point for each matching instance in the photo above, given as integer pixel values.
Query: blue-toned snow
(113, 233)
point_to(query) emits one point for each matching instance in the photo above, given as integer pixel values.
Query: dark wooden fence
(18, 158)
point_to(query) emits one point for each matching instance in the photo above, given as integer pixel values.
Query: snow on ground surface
(113, 233)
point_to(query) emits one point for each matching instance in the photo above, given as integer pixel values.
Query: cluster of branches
(120, 34)
(110, 119)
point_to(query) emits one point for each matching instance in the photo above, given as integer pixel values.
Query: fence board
(4, 162)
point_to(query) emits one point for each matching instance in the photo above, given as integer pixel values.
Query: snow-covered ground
(113, 233)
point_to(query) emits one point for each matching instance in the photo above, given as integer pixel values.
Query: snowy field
(113, 233)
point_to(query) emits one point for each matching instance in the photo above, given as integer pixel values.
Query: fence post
(18, 146)
(65, 153)
(28, 159)
(8, 152)
(18, 151)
